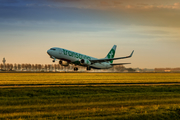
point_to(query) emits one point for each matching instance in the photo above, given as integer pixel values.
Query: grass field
(86, 78)
(82, 96)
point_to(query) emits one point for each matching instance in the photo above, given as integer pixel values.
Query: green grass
(86, 78)
(140, 102)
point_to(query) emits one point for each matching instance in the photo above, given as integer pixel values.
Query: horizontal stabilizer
(120, 63)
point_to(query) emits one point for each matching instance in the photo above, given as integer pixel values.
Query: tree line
(31, 67)
(51, 67)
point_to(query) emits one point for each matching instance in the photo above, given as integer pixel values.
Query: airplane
(67, 57)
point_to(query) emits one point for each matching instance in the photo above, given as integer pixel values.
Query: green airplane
(67, 57)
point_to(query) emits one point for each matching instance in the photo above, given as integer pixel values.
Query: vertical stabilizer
(111, 53)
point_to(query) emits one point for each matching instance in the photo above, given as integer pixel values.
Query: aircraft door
(60, 51)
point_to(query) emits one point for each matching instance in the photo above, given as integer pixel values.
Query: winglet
(131, 53)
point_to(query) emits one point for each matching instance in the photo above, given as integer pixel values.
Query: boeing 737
(67, 57)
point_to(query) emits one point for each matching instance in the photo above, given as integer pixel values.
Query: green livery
(75, 55)
(67, 57)
(111, 53)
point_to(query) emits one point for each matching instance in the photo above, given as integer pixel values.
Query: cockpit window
(52, 49)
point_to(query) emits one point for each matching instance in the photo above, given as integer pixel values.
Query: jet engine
(85, 62)
(64, 63)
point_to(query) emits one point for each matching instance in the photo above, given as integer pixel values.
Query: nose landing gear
(54, 59)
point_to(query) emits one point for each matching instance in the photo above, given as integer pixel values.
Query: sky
(28, 28)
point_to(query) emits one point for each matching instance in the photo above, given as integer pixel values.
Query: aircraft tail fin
(111, 53)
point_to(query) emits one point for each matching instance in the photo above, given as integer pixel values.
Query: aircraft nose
(48, 52)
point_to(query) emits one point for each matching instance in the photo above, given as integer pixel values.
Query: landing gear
(75, 69)
(88, 68)
(54, 59)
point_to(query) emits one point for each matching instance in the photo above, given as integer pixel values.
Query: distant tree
(119, 68)
(111, 69)
(15, 67)
(64, 68)
(46, 67)
(49, 67)
(1, 66)
(7, 66)
(39, 67)
(29, 66)
(42, 67)
(68, 67)
(32, 67)
(52, 67)
(19, 67)
(10, 67)
(55, 67)
(72, 67)
(35, 67)
(59, 67)
(22, 66)
(130, 70)
(26, 67)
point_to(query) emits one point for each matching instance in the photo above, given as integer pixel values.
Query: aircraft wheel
(88, 68)
(75, 69)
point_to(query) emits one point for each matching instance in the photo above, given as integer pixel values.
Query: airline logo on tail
(111, 53)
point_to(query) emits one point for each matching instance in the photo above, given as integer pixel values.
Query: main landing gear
(88, 68)
(75, 69)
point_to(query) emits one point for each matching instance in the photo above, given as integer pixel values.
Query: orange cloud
(175, 6)
(146, 6)
(119, 4)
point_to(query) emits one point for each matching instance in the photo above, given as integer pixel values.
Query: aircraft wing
(106, 60)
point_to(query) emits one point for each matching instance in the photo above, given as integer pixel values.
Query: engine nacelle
(64, 63)
(85, 62)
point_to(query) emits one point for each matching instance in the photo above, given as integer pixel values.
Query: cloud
(149, 6)
(90, 4)
(175, 6)
(111, 12)
(119, 4)
(97, 4)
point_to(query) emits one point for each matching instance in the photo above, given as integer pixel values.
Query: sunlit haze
(28, 28)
